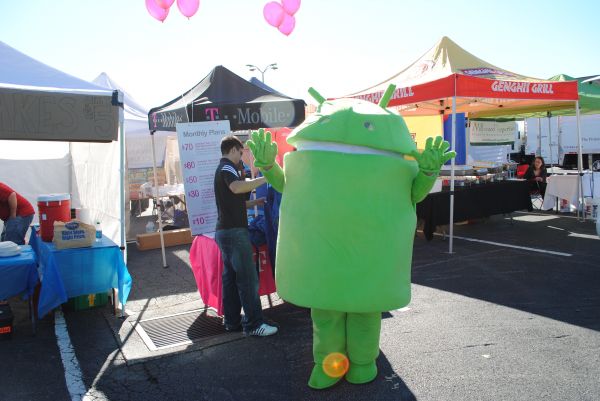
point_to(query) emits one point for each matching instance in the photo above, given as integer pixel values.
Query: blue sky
(339, 47)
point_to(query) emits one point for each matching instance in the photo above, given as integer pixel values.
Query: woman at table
(536, 175)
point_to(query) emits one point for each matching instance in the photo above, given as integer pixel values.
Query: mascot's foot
(360, 374)
(319, 380)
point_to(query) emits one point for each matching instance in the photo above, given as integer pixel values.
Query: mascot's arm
(275, 177)
(430, 162)
(265, 151)
(421, 186)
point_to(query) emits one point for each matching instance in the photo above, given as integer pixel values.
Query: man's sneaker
(263, 330)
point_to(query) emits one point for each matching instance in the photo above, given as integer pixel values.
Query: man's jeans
(240, 279)
(15, 229)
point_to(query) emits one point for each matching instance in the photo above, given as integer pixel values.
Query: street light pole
(262, 71)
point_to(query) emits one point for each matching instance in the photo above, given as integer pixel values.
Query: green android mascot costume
(347, 224)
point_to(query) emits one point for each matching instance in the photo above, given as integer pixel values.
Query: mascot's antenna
(316, 95)
(385, 99)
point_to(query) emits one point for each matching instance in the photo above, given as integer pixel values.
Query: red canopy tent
(448, 79)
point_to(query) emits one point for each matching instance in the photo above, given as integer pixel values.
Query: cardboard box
(172, 237)
(73, 234)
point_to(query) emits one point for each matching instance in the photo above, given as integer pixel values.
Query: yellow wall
(423, 127)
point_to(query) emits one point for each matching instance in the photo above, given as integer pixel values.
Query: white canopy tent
(138, 147)
(40, 103)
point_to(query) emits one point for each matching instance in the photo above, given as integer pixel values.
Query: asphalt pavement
(512, 314)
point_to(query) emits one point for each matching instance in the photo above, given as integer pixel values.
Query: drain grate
(180, 329)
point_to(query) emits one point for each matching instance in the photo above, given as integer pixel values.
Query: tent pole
(559, 139)
(122, 199)
(71, 173)
(579, 164)
(160, 227)
(549, 116)
(539, 147)
(122, 184)
(451, 222)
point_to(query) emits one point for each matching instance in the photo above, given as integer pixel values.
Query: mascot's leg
(329, 335)
(363, 346)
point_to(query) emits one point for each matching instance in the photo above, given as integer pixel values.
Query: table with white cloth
(67, 273)
(566, 187)
(166, 190)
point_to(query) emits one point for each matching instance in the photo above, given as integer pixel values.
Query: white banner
(492, 132)
(200, 153)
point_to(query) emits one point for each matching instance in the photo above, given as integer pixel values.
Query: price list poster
(199, 154)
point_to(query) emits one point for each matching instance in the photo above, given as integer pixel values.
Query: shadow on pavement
(560, 287)
(251, 368)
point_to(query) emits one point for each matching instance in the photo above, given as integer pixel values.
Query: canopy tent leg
(122, 172)
(579, 164)
(160, 226)
(452, 162)
(539, 138)
(549, 116)
(559, 140)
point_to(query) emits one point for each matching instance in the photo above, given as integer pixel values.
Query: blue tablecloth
(18, 274)
(68, 273)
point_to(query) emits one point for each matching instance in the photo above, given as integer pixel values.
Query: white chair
(536, 200)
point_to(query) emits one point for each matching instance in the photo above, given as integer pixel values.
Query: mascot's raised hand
(434, 156)
(263, 149)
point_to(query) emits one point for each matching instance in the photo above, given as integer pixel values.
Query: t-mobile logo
(212, 113)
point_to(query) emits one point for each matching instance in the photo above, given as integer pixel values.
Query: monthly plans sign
(492, 132)
(199, 154)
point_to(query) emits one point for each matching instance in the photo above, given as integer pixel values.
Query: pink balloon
(165, 3)
(287, 25)
(291, 6)
(188, 7)
(155, 11)
(273, 13)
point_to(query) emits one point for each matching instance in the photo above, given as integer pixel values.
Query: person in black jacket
(240, 278)
(536, 175)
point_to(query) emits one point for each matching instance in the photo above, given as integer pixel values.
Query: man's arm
(255, 202)
(242, 187)
(12, 205)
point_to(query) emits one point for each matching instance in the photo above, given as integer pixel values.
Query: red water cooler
(51, 208)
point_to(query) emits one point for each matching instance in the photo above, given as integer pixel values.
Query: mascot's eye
(325, 120)
(369, 125)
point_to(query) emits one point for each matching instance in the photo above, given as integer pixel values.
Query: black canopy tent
(223, 95)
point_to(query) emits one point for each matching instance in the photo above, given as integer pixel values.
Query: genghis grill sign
(241, 116)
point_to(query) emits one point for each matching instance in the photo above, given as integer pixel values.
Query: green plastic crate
(89, 301)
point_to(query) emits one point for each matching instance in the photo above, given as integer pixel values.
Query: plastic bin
(51, 208)
(84, 302)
